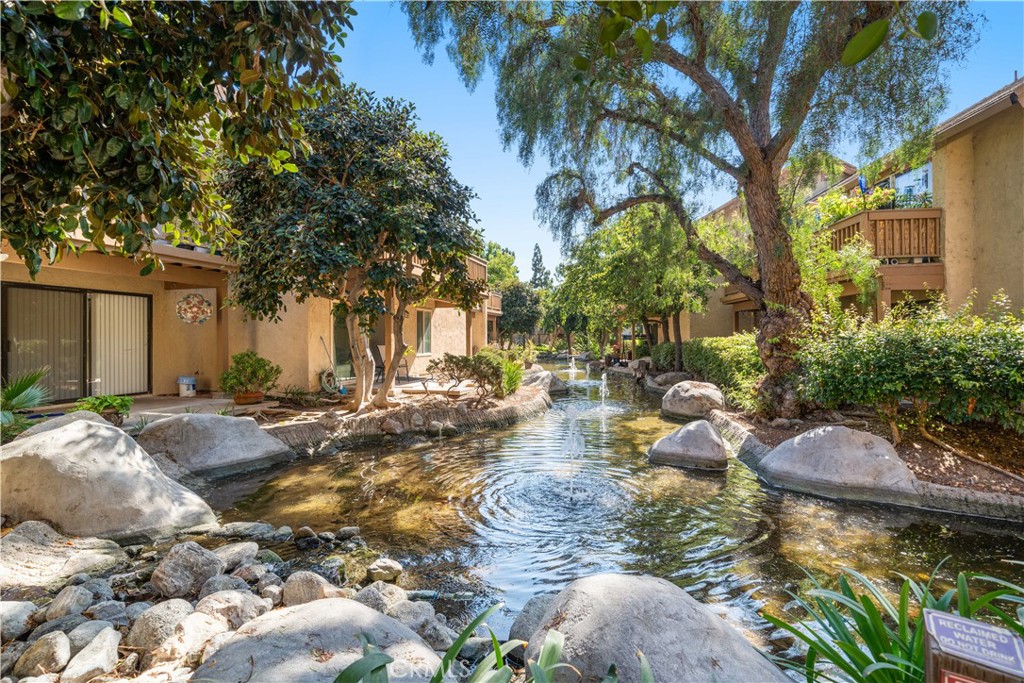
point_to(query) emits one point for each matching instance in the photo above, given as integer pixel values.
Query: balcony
(494, 303)
(897, 236)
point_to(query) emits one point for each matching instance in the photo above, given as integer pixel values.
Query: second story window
(423, 331)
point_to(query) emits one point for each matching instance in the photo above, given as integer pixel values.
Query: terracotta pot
(248, 398)
(112, 416)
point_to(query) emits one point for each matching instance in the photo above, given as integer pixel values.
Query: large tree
(697, 93)
(540, 277)
(520, 310)
(373, 220)
(113, 113)
(501, 266)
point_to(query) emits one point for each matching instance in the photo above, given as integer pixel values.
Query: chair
(378, 359)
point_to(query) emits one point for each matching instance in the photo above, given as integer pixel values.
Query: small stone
(218, 583)
(97, 658)
(305, 532)
(269, 579)
(100, 589)
(186, 568)
(372, 598)
(70, 600)
(83, 634)
(272, 593)
(15, 619)
(384, 569)
(250, 572)
(48, 654)
(476, 649)
(780, 423)
(63, 624)
(78, 579)
(156, 625)
(347, 532)
(411, 613)
(327, 537)
(244, 530)
(269, 556)
(392, 426)
(189, 638)
(435, 427)
(136, 609)
(437, 634)
(10, 656)
(236, 607)
(215, 644)
(233, 554)
(282, 534)
(392, 593)
(307, 543)
(109, 610)
(302, 587)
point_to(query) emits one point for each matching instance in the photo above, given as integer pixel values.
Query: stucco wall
(448, 335)
(716, 321)
(978, 185)
(178, 348)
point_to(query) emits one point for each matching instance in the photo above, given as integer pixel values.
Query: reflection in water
(494, 509)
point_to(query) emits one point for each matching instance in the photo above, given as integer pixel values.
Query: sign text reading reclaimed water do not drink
(989, 647)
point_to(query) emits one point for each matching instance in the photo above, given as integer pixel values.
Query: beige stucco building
(971, 240)
(104, 329)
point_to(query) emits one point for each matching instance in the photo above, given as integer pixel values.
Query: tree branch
(767, 62)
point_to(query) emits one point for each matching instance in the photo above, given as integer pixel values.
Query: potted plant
(529, 355)
(113, 409)
(249, 377)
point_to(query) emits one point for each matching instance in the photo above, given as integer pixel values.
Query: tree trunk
(678, 365)
(664, 328)
(380, 399)
(786, 308)
(632, 339)
(362, 361)
(568, 341)
(604, 342)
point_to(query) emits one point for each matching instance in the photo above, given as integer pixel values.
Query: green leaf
(365, 665)
(148, 268)
(867, 40)
(928, 24)
(646, 673)
(290, 167)
(70, 10)
(632, 9)
(644, 43)
(612, 676)
(581, 63)
(611, 29)
(121, 16)
(661, 29)
(491, 660)
(249, 76)
(467, 633)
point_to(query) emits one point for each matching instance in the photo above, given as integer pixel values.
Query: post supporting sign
(961, 650)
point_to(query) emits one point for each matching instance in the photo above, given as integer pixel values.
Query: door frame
(86, 336)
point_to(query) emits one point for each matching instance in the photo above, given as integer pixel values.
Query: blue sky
(379, 55)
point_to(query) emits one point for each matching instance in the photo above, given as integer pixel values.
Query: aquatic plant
(868, 639)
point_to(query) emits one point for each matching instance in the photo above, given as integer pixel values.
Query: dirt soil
(1000, 451)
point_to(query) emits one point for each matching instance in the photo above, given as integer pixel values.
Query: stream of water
(492, 512)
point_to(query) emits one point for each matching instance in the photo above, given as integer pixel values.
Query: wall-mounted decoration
(194, 309)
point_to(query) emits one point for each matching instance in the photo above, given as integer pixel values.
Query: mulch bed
(999, 448)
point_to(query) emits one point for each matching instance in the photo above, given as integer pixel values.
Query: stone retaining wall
(924, 495)
(330, 433)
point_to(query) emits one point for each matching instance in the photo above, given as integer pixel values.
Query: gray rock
(62, 421)
(412, 613)
(476, 648)
(392, 594)
(113, 611)
(49, 654)
(692, 399)
(15, 619)
(156, 625)
(670, 379)
(33, 554)
(269, 556)
(607, 618)
(233, 554)
(696, 444)
(213, 644)
(392, 426)
(347, 532)
(189, 639)
(305, 532)
(234, 607)
(82, 635)
(100, 589)
(269, 579)
(64, 624)
(529, 618)
(372, 598)
(80, 578)
(45, 678)
(12, 652)
(437, 634)
(136, 610)
(253, 530)
(281, 534)
(276, 647)
(221, 582)
(185, 569)
(302, 587)
(250, 571)
(546, 380)
(97, 658)
(103, 485)
(273, 593)
(837, 461)
(205, 441)
(70, 600)
(384, 569)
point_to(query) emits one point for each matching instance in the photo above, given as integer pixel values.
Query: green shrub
(21, 393)
(250, 373)
(955, 366)
(486, 369)
(511, 377)
(119, 406)
(871, 640)
(664, 356)
(731, 363)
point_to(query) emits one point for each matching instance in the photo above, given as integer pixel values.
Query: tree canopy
(520, 310)
(372, 219)
(708, 93)
(540, 276)
(501, 266)
(114, 113)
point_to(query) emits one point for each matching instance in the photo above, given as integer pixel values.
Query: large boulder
(692, 399)
(289, 645)
(529, 618)
(48, 654)
(92, 479)
(546, 380)
(204, 441)
(33, 554)
(606, 619)
(97, 658)
(156, 625)
(15, 619)
(840, 462)
(696, 444)
(61, 421)
(185, 570)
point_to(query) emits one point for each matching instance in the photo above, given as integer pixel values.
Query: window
(422, 331)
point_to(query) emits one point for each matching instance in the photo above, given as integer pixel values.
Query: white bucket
(186, 386)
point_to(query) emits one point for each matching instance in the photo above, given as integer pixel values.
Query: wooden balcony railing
(477, 267)
(893, 233)
(494, 302)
